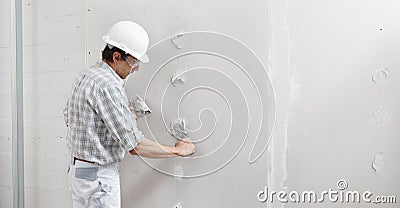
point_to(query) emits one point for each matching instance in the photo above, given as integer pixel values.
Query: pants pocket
(88, 173)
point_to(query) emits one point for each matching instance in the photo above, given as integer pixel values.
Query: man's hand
(185, 147)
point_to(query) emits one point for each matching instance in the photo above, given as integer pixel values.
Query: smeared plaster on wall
(178, 205)
(380, 75)
(378, 164)
(285, 155)
(294, 91)
(179, 39)
(294, 85)
(280, 55)
(139, 107)
(178, 129)
(381, 115)
(178, 171)
(178, 78)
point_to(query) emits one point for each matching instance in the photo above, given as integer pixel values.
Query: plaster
(139, 107)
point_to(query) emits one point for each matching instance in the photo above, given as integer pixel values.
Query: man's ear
(116, 57)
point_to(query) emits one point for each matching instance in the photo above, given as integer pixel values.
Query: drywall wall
(344, 114)
(333, 66)
(5, 102)
(224, 95)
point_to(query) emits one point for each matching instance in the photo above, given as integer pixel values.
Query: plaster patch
(380, 75)
(178, 171)
(378, 164)
(179, 40)
(381, 115)
(178, 129)
(139, 107)
(178, 205)
(178, 78)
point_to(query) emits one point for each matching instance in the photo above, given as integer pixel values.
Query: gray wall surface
(5, 100)
(324, 72)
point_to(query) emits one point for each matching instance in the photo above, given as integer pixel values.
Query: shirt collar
(104, 65)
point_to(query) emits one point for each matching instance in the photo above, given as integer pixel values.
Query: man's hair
(107, 53)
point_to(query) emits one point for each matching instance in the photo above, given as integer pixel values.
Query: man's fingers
(186, 146)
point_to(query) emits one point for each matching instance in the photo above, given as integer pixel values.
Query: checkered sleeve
(113, 109)
(65, 113)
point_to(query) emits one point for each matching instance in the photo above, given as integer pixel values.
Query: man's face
(124, 67)
(133, 63)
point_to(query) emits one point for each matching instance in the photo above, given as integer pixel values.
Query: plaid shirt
(100, 125)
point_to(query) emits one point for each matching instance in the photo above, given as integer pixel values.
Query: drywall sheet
(333, 65)
(344, 113)
(211, 84)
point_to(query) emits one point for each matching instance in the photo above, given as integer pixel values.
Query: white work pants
(94, 186)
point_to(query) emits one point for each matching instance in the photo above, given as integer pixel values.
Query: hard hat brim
(144, 58)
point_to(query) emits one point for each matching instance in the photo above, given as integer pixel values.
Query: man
(100, 124)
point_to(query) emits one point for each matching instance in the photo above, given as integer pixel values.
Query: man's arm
(151, 149)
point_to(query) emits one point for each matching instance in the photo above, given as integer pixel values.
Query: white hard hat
(129, 37)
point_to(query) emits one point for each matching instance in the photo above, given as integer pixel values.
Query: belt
(83, 160)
